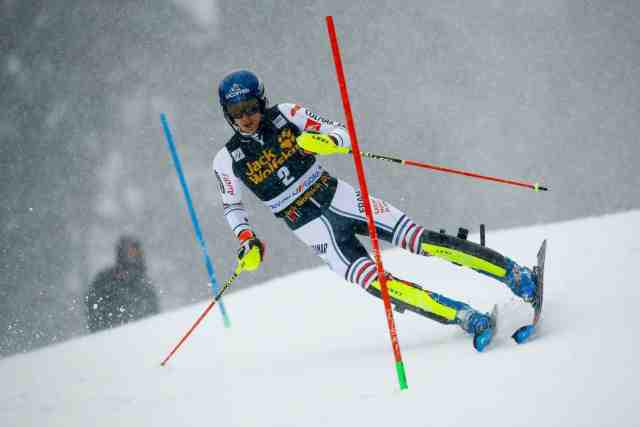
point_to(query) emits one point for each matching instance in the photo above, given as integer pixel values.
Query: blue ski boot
(522, 282)
(481, 326)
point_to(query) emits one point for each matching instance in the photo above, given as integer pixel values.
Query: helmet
(240, 86)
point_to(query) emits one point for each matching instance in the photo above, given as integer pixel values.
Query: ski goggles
(239, 109)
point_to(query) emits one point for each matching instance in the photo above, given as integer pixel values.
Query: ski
(524, 333)
(482, 340)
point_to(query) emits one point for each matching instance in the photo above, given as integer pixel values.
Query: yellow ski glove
(320, 143)
(251, 251)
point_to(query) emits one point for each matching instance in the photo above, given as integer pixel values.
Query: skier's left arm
(318, 135)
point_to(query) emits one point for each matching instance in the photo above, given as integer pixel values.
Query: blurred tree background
(544, 90)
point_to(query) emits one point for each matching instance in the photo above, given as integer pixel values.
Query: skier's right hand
(320, 143)
(251, 251)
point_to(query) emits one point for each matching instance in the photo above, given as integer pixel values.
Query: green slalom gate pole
(399, 364)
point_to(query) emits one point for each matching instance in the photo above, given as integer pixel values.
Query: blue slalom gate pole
(194, 217)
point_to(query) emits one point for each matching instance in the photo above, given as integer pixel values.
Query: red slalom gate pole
(402, 378)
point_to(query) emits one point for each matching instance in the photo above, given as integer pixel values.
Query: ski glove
(320, 143)
(251, 251)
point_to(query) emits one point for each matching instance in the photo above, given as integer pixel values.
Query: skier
(266, 154)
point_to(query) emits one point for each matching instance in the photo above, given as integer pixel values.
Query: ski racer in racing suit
(266, 155)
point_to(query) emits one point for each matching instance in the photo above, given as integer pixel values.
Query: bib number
(285, 175)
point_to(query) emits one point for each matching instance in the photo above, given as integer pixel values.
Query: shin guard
(409, 296)
(466, 253)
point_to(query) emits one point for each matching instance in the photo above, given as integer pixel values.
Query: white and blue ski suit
(327, 213)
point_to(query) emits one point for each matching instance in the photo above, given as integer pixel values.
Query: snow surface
(311, 350)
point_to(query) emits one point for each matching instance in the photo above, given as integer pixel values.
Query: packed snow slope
(310, 350)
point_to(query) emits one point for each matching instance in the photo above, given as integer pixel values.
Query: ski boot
(481, 326)
(522, 282)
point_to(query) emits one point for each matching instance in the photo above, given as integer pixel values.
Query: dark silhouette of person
(123, 292)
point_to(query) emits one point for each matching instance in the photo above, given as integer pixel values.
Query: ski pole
(194, 217)
(228, 283)
(533, 186)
